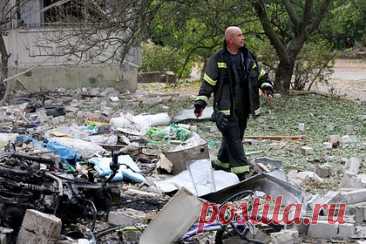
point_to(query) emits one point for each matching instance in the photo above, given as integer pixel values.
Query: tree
(8, 14)
(346, 23)
(105, 32)
(288, 24)
(196, 28)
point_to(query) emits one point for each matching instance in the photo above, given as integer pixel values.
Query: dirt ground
(349, 79)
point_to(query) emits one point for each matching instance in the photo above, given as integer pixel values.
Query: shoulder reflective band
(221, 65)
(203, 98)
(209, 80)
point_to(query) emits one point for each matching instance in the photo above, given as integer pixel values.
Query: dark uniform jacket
(219, 78)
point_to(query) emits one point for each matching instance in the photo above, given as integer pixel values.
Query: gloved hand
(199, 106)
(268, 93)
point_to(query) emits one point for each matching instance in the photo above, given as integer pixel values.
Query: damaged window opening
(67, 13)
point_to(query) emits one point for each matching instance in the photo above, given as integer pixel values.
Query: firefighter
(234, 77)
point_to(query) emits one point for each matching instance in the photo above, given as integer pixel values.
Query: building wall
(29, 48)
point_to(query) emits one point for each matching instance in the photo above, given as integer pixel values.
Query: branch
(291, 13)
(307, 13)
(272, 35)
(324, 6)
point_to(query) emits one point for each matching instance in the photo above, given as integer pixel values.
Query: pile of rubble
(78, 166)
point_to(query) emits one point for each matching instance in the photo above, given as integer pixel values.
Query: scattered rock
(301, 177)
(126, 217)
(306, 150)
(114, 99)
(323, 230)
(327, 145)
(285, 237)
(38, 227)
(353, 165)
(165, 164)
(334, 140)
(323, 170)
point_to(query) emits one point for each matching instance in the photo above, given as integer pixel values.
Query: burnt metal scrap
(24, 185)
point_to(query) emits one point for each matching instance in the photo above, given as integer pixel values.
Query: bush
(158, 58)
(314, 64)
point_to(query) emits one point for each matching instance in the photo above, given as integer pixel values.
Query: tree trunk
(283, 76)
(4, 69)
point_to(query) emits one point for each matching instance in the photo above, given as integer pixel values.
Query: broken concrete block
(353, 165)
(323, 230)
(165, 164)
(360, 232)
(346, 230)
(355, 196)
(306, 150)
(38, 227)
(165, 228)
(327, 145)
(114, 99)
(285, 237)
(301, 177)
(358, 211)
(323, 170)
(334, 140)
(352, 180)
(126, 217)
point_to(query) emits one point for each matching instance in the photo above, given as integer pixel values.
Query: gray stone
(353, 165)
(351, 180)
(285, 237)
(126, 217)
(323, 230)
(358, 211)
(355, 196)
(306, 150)
(327, 145)
(334, 140)
(346, 230)
(323, 170)
(165, 228)
(38, 227)
(301, 177)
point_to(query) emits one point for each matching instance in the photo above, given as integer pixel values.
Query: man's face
(238, 39)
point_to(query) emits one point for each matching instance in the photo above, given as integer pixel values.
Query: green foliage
(196, 28)
(314, 64)
(158, 58)
(346, 23)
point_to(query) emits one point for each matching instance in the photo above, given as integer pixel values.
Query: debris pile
(82, 167)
